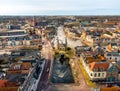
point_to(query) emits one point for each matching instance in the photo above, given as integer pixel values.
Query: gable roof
(15, 77)
(94, 59)
(113, 54)
(94, 65)
(114, 88)
(26, 65)
(20, 66)
(117, 65)
(2, 83)
(112, 68)
(9, 89)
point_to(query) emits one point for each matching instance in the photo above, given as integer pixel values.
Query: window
(91, 74)
(101, 69)
(95, 75)
(110, 58)
(102, 74)
(98, 74)
(115, 58)
(95, 69)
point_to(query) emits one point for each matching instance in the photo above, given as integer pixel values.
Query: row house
(99, 69)
(106, 40)
(95, 67)
(117, 65)
(113, 47)
(6, 85)
(113, 88)
(22, 68)
(18, 37)
(112, 73)
(112, 56)
(80, 49)
(13, 33)
(18, 72)
(96, 32)
(13, 27)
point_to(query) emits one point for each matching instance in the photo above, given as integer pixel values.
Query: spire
(33, 21)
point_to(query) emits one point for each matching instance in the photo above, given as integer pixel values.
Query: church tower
(57, 43)
(33, 21)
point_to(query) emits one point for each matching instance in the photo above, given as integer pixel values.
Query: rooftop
(2, 83)
(104, 65)
(114, 88)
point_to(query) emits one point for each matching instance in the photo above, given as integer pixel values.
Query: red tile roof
(25, 71)
(21, 66)
(9, 89)
(115, 88)
(3, 82)
(26, 65)
(94, 65)
(92, 59)
(11, 84)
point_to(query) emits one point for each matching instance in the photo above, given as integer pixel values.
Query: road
(47, 54)
(83, 84)
(61, 36)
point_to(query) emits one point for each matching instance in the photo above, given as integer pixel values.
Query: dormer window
(115, 58)
(102, 74)
(95, 69)
(102, 69)
(17, 67)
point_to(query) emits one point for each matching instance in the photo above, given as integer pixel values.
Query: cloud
(17, 7)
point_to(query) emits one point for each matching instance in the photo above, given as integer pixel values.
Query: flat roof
(12, 31)
(14, 36)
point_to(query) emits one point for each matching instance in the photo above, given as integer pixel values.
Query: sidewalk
(89, 83)
(80, 79)
(36, 81)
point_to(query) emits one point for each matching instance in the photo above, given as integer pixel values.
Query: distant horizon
(60, 15)
(59, 7)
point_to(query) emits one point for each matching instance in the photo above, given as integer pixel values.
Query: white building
(113, 56)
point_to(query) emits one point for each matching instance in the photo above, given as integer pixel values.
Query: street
(83, 84)
(46, 53)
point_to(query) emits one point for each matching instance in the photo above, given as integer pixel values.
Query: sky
(59, 7)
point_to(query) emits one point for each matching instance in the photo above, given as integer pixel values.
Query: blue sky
(59, 7)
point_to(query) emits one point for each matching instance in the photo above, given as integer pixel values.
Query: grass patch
(68, 53)
(75, 73)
